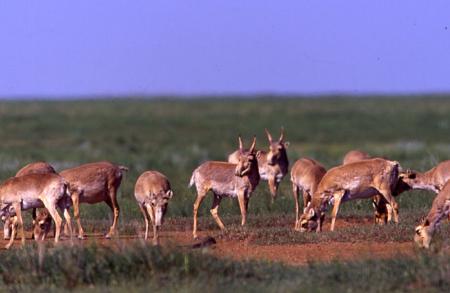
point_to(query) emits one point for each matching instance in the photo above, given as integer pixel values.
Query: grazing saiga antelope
(35, 191)
(363, 179)
(439, 210)
(382, 210)
(32, 168)
(305, 177)
(152, 192)
(226, 180)
(273, 165)
(93, 183)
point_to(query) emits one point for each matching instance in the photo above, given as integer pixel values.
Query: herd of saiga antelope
(37, 185)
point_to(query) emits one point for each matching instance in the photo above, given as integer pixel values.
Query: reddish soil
(292, 254)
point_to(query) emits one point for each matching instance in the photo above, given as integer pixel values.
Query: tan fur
(273, 164)
(93, 183)
(152, 192)
(36, 168)
(33, 191)
(42, 224)
(32, 168)
(354, 156)
(305, 177)
(433, 179)
(226, 180)
(439, 210)
(382, 211)
(362, 179)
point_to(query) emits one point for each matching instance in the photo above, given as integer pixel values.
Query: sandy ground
(292, 254)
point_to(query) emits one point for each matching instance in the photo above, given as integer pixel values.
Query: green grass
(141, 267)
(174, 137)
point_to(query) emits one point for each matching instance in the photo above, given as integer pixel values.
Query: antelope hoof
(81, 237)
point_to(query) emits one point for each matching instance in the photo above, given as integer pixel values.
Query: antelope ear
(169, 193)
(286, 144)
(426, 223)
(418, 230)
(258, 154)
(311, 213)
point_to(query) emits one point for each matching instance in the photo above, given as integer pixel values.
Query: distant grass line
(140, 267)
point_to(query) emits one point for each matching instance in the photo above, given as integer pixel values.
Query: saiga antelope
(439, 210)
(226, 180)
(32, 168)
(273, 165)
(93, 183)
(363, 179)
(152, 192)
(305, 177)
(35, 191)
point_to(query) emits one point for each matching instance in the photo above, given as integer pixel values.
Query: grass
(141, 267)
(174, 137)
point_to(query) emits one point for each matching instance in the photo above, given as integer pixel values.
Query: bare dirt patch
(247, 249)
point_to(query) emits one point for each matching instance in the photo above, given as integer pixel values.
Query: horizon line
(203, 96)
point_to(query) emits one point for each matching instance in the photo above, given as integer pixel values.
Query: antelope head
(277, 148)
(309, 220)
(247, 160)
(159, 204)
(42, 224)
(423, 235)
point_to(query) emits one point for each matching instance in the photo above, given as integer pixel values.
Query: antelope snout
(158, 217)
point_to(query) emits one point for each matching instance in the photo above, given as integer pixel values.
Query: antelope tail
(192, 181)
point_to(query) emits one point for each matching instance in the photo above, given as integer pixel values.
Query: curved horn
(269, 137)
(241, 145)
(252, 148)
(281, 135)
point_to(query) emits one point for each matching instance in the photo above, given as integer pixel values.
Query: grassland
(175, 136)
(142, 268)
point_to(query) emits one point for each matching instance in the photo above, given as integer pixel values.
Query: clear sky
(91, 47)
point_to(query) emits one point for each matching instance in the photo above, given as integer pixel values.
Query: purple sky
(85, 47)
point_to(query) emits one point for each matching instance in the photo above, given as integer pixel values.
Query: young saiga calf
(152, 192)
